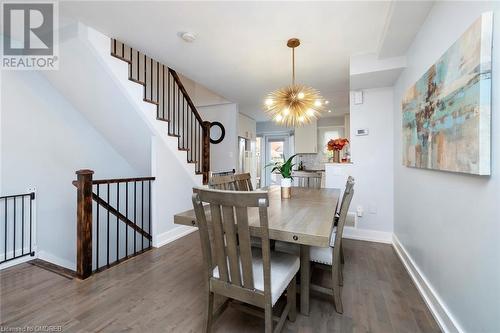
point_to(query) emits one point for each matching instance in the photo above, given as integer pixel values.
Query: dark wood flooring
(162, 291)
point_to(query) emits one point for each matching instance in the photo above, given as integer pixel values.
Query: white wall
(172, 191)
(449, 223)
(223, 156)
(44, 140)
(372, 159)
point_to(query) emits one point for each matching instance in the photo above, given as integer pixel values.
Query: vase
(286, 188)
(336, 156)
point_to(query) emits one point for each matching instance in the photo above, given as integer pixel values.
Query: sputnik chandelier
(295, 104)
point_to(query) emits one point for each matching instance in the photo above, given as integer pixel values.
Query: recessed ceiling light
(188, 37)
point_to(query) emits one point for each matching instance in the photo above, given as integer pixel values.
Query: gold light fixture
(295, 104)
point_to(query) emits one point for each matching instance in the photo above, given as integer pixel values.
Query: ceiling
(240, 52)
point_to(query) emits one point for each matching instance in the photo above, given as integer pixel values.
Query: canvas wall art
(446, 114)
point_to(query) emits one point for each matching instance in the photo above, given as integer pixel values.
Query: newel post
(84, 224)
(206, 151)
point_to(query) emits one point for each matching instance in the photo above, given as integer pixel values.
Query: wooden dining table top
(306, 218)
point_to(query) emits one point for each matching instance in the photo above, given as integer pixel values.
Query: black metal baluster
(117, 222)
(14, 241)
(5, 249)
(168, 100)
(149, 226)
(97, 233)
(22, 224)
(32, 197)
(135, 216)
(163, 90)
(126, 216)
(183, 122)
(152, 80)
(138, 67)
(107, 233)
(173, 108)
(142, 213)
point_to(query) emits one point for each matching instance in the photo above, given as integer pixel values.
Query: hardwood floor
(162, 291)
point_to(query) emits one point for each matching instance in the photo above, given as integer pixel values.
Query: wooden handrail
(121, 180)
(186, 95)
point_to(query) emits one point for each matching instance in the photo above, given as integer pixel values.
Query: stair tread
(150, 101)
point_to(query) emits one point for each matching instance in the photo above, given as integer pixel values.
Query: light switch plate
(361, 131)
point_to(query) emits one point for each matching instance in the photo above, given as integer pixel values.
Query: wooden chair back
(225, 182)
(307, 179)
(223, 173)
(229, 248)
(344, 208)
(243, 182)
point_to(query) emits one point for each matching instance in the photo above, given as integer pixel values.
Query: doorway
(276, 148)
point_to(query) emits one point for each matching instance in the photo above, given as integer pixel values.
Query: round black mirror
(217, 132)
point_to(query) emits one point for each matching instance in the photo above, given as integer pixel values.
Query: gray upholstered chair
(235, 270)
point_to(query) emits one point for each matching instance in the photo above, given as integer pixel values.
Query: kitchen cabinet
(306, 138)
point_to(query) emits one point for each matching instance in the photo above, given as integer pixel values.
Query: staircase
(164, 89)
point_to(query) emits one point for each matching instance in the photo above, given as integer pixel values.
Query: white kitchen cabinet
(306, 138)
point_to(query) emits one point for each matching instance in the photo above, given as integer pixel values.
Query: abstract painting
(447, 113)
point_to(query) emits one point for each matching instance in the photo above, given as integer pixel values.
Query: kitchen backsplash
(312, 161)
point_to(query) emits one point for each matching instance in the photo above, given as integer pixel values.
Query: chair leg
(291, 297)
(337, 299)
(268, 318)
(342, 254)
(210, 309)
(341, 276)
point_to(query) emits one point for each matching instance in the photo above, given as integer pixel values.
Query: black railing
(114, 221)
(164, 88)
(16, 232)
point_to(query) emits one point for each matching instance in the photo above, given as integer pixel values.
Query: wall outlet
(359, 211)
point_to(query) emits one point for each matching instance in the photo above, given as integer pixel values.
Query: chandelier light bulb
(300, 95)
(329, 111)
(317, 103)
(286, 111)
(278, 117)
(269, 102)
(327, 102)
(310, 112)
(301, 118)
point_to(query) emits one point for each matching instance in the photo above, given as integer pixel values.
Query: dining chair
(225, 182)
(330, 257)
(233, 268)
(307, 179)
(243, 181)
(348, 185)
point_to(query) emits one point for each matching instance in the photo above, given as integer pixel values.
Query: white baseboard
(49, 257)
(444, 318)
(367, 235)
(173, 234)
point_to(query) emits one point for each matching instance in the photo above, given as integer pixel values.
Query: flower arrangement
(337, 144)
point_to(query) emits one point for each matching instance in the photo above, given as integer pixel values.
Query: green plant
(285, 169)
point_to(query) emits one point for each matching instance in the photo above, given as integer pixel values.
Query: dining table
(306, 219)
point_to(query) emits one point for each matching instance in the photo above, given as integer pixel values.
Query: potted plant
(335, 146)
(285, 169)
